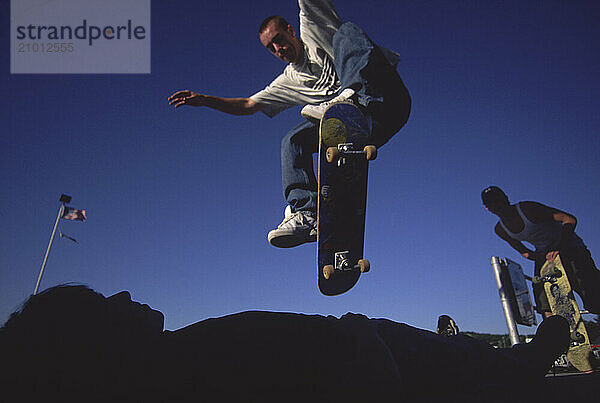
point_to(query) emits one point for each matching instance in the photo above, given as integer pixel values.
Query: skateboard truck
(341, 260)
(577, 338)
(551, 277)
(342, 263)
(347, 149)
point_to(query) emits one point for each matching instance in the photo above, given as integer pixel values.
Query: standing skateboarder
(552, 232)
(329, 61)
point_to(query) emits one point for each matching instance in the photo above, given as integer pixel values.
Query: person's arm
(321, 12)
(539, 213)
(568, 222)
(516, 244)
(232, 106)
(319, 21)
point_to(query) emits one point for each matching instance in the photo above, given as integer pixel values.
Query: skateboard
(344, 157)
(562, 302)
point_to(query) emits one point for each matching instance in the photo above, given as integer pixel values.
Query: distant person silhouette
(70, 343)
(551, 232)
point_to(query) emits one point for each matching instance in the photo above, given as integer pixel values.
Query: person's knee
(389, 116)
(302, 137)
(401, 107)
(288, 140)
(286, 143)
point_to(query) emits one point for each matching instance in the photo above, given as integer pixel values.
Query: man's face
(138, 317)
(283, 43)
(497, 206)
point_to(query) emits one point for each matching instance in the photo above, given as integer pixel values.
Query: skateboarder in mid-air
(552, 232)
(328, 61)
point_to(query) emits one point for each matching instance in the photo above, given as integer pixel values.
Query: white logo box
(80, 36)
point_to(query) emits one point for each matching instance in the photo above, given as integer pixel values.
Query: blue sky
(180, 201)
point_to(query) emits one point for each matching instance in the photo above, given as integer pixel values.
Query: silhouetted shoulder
(537, 212)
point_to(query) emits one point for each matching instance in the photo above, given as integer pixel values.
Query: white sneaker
(295, 229)
(315, 112)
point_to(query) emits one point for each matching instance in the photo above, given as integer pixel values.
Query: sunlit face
(135, 315)
(282, 43)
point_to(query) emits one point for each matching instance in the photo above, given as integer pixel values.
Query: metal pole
(60, 214)
(504, 300)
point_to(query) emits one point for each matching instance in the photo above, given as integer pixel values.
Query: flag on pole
(74, 214)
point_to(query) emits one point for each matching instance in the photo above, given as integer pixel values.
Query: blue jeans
(362, 66)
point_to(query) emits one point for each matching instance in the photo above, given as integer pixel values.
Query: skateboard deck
(562, 302)
(342, 183)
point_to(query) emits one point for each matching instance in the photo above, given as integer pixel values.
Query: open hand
(550, 256)
(186, 97)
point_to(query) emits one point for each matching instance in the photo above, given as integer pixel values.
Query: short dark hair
(279, 21)
(493, 193)
(66, 343)
(45, 345)
(55, 307)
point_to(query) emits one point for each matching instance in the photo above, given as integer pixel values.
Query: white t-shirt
(314, 79)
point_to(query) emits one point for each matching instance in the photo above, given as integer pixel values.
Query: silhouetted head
(76, 309)
(494, 199)
(72, 339)
(279, 37)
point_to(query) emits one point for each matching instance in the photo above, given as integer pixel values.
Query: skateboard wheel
(332, 154)
(328, 271)
(371, 152)
(364, 265)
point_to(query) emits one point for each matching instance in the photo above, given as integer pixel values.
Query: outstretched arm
(232, 106)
